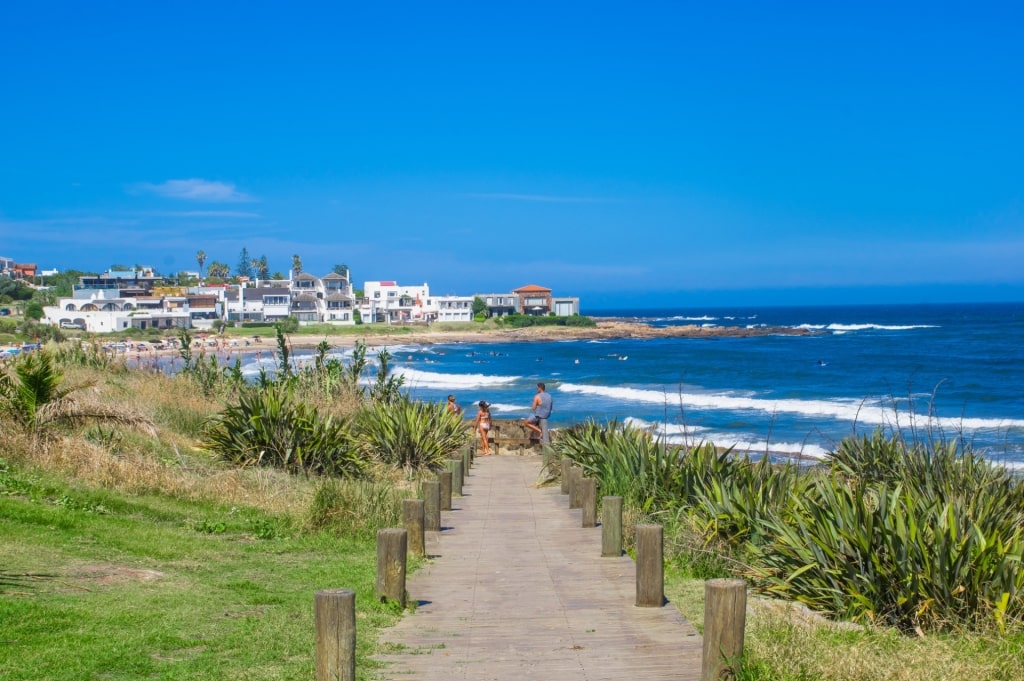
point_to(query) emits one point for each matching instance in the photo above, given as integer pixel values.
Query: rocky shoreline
(605, 330)
(436, 334)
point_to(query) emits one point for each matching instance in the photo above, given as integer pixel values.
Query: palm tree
(201, 259)
(218, 269)
(34, 397)
(296, 265)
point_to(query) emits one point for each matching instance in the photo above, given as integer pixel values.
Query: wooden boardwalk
(518, 590)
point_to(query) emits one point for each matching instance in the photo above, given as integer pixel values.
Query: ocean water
(928, 371)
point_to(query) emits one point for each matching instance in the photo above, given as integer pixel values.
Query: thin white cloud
(539, 198)
(195, 189)
(202, 214)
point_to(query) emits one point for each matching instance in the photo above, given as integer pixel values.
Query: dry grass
(784, 638)
(168, 462)
(135, 473)
(787, 642)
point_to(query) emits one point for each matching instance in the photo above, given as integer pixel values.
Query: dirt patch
(114, 574)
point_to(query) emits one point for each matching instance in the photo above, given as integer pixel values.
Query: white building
(103, 311)
(387, 302)
(455, 309)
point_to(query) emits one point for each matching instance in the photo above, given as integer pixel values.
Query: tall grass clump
(722, 493)
(36, 398)
(918, 536)
(270, 427)
(356, 507)
(628, 462)
(409, 434)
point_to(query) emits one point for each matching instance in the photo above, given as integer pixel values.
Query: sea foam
(868, 411)
(417, 378)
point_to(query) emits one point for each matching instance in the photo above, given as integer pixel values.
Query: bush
(356, 507)
(408, 434)
(891, 555)
(923, 536)
(268, 427)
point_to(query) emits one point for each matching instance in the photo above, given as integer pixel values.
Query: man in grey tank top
(538, 420)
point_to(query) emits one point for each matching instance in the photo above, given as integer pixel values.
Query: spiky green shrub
(409, 434)
(627, 462)
(734, 498)
(891, 555)
(269, 427)
(35, 397)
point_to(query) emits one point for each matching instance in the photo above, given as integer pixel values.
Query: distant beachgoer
(538, 420)
(483, 426)
(453, 405)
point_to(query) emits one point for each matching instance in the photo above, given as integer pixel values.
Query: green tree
(218, 270)
(34, 311)
(244, 264)
(296, 265)
(479, 306)
(263, 268)
(342, 270)
(201, 259)
(62, 284)
(12, 289)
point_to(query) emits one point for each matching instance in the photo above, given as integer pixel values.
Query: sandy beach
(436, 334)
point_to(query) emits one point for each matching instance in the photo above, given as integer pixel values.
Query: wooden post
(611, 526)
(413, 517)
(445, 478)
(566, 467)
(575, 487)
(467, 461)
(392, 545)
(725, 614)
(455, 466)
(431, 505)
(334, 615)
(650, 566)
(588, 502)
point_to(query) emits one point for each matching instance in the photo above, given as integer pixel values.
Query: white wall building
(455, 309)
(387, 302)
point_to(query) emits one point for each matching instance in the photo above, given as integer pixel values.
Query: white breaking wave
(847, 328)
(500, 409)
(873, 412)
(417, 378)
(677, 434)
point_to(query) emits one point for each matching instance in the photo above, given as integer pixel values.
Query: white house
(104, 311)
(455, 309)
(386, 301)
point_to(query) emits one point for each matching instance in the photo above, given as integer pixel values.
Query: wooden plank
(519, 590)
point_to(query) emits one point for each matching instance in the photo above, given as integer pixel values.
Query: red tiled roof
(531, 288)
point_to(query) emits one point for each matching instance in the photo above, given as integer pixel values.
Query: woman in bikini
(483, 425)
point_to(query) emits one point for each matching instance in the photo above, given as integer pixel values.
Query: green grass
(99, 585)
(784, 643)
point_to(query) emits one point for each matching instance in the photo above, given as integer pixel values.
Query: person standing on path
(483, 426)
(538, 420)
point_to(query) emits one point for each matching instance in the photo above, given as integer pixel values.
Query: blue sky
(669, 153)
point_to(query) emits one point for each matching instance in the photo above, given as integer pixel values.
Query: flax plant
(408, 434)
(270, 427)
